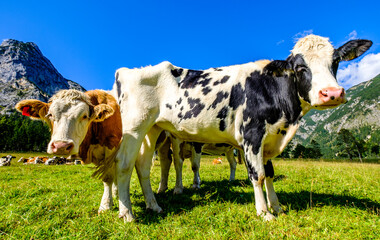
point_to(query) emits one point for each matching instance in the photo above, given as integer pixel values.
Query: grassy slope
(45, 202)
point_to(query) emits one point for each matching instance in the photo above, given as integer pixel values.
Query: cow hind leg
(232, 162)
(256, 174)
(178, 165)
(273, 202)
(196, 154)
(165, 162)
(143, 166)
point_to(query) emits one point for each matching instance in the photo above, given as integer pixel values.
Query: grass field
(322, 200)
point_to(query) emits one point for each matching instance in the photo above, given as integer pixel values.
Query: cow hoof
(162, 189)
(127, 217)
(196, 186)
(102, 210)
(178, 191)
(156, 209)
(269, 217)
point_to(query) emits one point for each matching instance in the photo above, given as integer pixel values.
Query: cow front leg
(256, 174)
(196, 154)
(232, 162)
(143, 167)
(107, 201)
(125, 162)
(273, 202)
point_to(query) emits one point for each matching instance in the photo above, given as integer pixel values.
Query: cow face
(69, 114)
(315, 63)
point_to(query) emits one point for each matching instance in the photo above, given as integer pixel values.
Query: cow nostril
(332, 97)
(323, 93)
(71, 146)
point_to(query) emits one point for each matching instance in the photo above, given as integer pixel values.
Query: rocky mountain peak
(26, 73)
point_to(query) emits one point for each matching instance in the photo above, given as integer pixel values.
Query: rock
(26, 73)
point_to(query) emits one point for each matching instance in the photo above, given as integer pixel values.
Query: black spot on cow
(223, 80)
(194, 78)
(176, 72)
(122, 95)
(118, 85)
(179, 101)
(219, 98)
(283, 132)
(222, 145)
(181, 108)
(168, 106)
(278, 131)
(206, 90)
(303, 76)
(186, 94)
(269, 171)
(195, 108)
(197, 147)
(237, 96)
(218, 69)
(222, 114)
(252, 174)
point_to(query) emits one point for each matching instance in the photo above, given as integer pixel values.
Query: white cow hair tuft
(314, 47)
(71, 95)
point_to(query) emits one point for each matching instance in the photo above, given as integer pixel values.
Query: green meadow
(322, 200)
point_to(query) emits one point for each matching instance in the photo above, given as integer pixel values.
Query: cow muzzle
(62, 148)
(332, 96)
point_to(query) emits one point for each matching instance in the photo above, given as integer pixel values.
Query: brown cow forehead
(71, 96)
(64, 106)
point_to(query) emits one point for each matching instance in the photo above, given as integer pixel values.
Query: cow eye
(84, 117)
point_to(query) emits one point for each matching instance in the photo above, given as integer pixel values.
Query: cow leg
(178, 165)
(273, 202)
(165, 162)
(232, 162)
(143, 167)
(256, 174)
(115, 192)
(107, 201)
(196, 153)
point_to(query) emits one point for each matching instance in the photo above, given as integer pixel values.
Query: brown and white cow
(88, 124)
(255, 107)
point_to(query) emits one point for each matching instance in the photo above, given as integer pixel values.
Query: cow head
(69, 114)
(314, 62)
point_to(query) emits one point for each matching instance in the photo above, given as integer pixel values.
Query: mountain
(26, 73)
(360, 115)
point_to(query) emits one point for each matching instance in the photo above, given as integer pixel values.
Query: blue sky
(88, 40)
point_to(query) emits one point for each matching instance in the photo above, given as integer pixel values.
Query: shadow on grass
(234, 192)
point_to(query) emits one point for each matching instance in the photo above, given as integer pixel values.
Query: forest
(21, 134)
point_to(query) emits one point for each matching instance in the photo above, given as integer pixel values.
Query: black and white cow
(255, 107)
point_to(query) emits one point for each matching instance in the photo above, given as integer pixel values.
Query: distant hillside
(26, 73)
(360, 115)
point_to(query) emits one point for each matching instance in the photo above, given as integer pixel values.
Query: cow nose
(332, 96)
(62, 148)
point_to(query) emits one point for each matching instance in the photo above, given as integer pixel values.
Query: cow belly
(198, 133)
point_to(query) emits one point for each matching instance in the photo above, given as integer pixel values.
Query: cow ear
(102, 112)
(277, 68)
(34, 109)
(351, 50)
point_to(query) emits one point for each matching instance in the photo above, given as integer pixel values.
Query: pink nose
(62, 148)
(332, 96)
